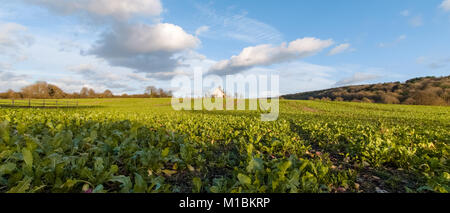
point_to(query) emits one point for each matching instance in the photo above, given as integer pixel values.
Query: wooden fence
(38, 103)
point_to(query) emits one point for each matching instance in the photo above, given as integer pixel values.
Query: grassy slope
(418, 91)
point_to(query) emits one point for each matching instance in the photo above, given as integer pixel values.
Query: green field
(142, 145)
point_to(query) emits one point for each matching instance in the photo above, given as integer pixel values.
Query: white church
(218, 93)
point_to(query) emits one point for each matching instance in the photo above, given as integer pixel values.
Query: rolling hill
(417, 91)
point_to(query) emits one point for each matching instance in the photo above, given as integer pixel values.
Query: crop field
(143, 145)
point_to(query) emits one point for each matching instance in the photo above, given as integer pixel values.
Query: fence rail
(41, 103)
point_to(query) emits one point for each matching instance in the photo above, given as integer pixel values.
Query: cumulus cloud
(144, 48)
(445, 5)
(339, 49)
(95, 76)
(142, 39)
(5, 66)
(75, 85)
(90, 72)
(68, 46)
(153, 48)
(10, 80)
(138, 77)
(122, 9)
(357, 78)
(267, 54)
(188, 63)
(13, 37)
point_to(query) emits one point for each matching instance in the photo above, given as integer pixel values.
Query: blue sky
(129, 44)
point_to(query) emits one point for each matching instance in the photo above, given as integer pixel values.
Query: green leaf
(197, 185)
(7, 168)
(70, 183)
(99, 189)
(244, 179)
(284, 166)
(98, 165)
(5, 154)
(22, 186)
(165, 152)
(125, 181)
(27, 157)
(140, 186)
(250, 149)
(256, 164)
(4, 131)
(214, 189)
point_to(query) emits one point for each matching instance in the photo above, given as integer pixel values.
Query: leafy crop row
(141, 145)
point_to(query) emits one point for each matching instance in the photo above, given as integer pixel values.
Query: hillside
(417, 91)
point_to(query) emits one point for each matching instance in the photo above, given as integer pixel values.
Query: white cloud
(10, 80)
(264, 55)
(237, 26)
(416, 21)
(413, 19)
(13, 37)
(138, 77)
(405, 13)
(433, 63)
(74, 85)
(127, 55)
(68, 46)
(90, 72)
(445, 5)
(96, 78)
(339, 49)
(201, 30)
(144, 48)
(357, 78)
(5, 66)
(142, 39)
(120, 9)
(421, 60)
(298, 76)
(393, 43)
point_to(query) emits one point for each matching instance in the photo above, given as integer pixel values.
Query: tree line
(418, 91)
(44, 90)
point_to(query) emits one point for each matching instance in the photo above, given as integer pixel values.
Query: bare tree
(151, 91)
(84, 93)
(91, 93)
(37, 90)
(108, 94)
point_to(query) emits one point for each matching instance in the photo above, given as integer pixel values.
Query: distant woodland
(43, 90)
(417, 91)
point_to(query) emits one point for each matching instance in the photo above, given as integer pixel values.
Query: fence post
(29, 102)
(56, 103)
(13, 101)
